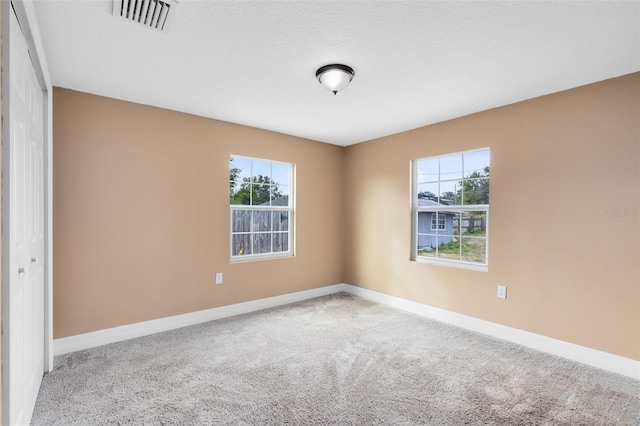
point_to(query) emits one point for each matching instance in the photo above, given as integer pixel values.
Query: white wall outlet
(219, 278)
(502, 291)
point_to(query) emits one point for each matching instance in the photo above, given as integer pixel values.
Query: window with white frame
(451, 208)
(437, 222)
(261, 202)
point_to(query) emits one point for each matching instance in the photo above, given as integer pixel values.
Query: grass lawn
(469, 250)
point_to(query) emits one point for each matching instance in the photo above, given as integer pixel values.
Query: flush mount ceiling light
(335, 77)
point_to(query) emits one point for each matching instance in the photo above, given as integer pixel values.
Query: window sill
(452, 264)
(258, 257)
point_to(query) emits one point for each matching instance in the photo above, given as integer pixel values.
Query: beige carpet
(335, 360)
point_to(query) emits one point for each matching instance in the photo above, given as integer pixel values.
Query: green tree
(450, 196)
(259, 190)
(476, 187)
(234, 172)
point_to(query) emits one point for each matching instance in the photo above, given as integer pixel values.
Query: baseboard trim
(131, 331)
(595, 358)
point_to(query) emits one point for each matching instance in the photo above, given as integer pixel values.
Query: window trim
(460, 264)
(290, 209)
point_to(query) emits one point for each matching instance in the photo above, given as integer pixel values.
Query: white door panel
(26, 228)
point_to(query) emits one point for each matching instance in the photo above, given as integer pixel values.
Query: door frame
(27, 18)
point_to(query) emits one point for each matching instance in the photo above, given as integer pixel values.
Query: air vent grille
(150, 13)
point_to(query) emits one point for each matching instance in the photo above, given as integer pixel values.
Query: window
(437, 222)
(451, 209)
(261, 202)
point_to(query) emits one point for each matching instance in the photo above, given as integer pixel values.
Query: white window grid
(462, 208)
(289, 209)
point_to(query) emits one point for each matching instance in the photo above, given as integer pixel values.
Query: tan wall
(557, 163)
(141, 213)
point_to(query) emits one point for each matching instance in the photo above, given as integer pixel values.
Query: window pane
(427, 194)
(476, 191)
(451, 167)
(280, 242)
(427, 252)
(241, 245)
(424, 222)
(427, 243)
(239, 169)
(261, 169)
(280, 221)
(474, 250)
(448, 247)
(241, 221)
(239, 181)
(280, 196)
(280, 173)
(262, 243)
(474, 224)
(261, 221)
(450, 193)
(261, 195)
(427, 170)
(242, 195)
(476, 164)
(452, 224)
(233, 189)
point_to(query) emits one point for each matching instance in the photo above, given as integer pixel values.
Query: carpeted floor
(335, 360)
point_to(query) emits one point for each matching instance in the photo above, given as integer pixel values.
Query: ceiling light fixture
(335, 77)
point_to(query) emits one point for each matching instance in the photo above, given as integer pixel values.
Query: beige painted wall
(141, 213)
(557, 163)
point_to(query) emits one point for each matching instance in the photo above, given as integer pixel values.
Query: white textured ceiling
(416, 63)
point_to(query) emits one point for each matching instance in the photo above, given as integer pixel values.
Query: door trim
(27, 19)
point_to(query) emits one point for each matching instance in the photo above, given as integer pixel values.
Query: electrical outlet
(502, 292)
(219, 278)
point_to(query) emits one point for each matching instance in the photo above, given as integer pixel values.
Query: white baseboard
(603, 360)
(117, 334)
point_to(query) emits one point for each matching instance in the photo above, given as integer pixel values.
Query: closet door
(26, 227)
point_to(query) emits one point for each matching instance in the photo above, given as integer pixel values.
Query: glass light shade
(335, 77)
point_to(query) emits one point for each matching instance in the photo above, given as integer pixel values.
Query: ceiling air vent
(150, 13)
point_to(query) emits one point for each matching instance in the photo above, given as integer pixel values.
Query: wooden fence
(470, 224)
(269, 233)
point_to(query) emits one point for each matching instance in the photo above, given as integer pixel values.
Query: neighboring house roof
(427, 202)
(280, 201)
(432, 202)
